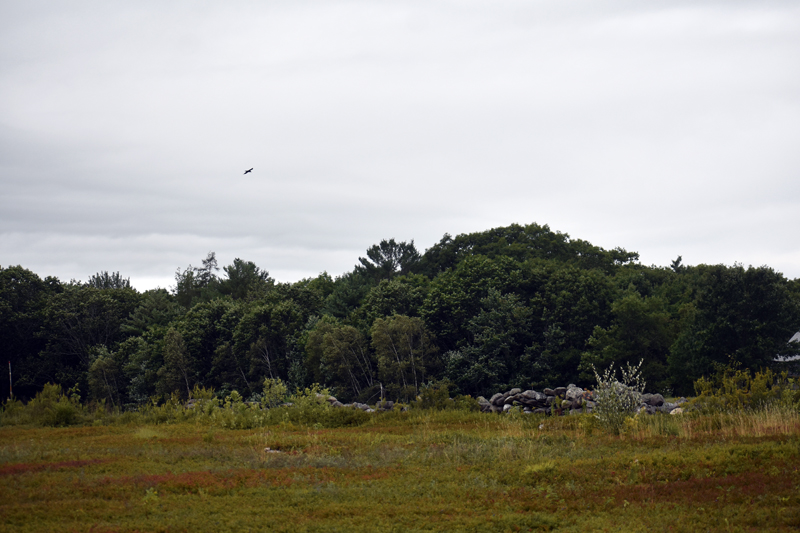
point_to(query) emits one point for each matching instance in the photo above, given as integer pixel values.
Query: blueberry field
(451, 470)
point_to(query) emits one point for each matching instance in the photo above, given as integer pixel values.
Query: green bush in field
(171, 410)
(618, 400)
(235, 413)
(50, 407)
(436, 395)
(275, 393)
(734, 389)
(310, 407)
(466, 403)
(306, 407)
(203, 394)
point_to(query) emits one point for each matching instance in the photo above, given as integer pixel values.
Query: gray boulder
(656, 400)
(667, 407)
(574, 392)
(511, 398)
(535, 396)
(484, 404)
(385, 405)
(497, 399)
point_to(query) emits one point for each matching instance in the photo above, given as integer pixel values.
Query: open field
(416, 471)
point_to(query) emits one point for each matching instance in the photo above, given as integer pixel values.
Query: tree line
(517, 306)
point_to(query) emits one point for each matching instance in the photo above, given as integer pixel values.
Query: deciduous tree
(405, 354)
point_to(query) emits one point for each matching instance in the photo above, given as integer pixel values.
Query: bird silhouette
(247, 171)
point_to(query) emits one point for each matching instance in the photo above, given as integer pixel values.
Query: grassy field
(416, 471)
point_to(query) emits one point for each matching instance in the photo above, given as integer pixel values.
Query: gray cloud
(664, 127)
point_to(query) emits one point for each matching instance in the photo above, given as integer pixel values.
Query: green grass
(416, 471)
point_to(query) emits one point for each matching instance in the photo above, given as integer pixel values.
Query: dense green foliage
(733, 389)
(520, 306)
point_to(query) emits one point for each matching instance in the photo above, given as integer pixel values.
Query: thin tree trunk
(186, 379)
(409, 338)
(399, 362)
(108, 388)
(264, 353)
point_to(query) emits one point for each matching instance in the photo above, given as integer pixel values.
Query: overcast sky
(668, 128)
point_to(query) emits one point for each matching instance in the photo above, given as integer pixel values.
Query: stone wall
(559, 401)
(565, 400)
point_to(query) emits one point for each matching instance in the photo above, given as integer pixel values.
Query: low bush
(618, 400)
(436, 395)
(732, 388)
(51, 407)
(309, 407)
(306, 407)
(275, 393)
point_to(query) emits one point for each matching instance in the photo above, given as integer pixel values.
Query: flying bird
(246, 171)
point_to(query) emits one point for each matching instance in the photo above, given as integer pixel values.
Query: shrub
(434, 395)
(50, 407)
(618, 400)
(310, 407)
(235, 413)
(732, 388)
(202, 393)
(172, 410)
(275, 393)
(465, 402)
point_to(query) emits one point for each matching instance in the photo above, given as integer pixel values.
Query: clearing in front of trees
(422, 470)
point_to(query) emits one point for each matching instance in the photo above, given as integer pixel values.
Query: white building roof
(783, 359)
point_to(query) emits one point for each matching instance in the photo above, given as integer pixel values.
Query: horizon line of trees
(516, 306)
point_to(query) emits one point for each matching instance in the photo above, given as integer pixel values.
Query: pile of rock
(565, 400)
(558, 401)
(654, 403)
(380, 406)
